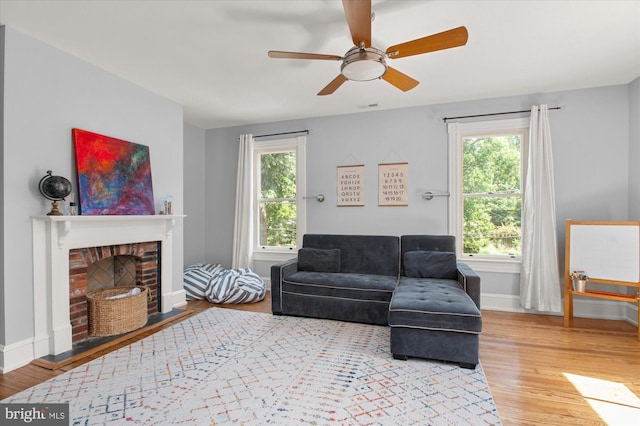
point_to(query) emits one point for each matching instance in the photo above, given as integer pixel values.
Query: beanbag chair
(219, 285)
(196, 279)
(235, 286)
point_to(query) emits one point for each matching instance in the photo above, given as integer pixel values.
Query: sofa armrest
(280, 271)
(470, 282)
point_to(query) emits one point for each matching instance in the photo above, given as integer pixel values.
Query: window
(487, 165)
(279, 214)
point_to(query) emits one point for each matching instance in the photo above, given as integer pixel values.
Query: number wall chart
(393, 184)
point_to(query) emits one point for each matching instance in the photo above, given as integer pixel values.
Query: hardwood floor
(539, 372)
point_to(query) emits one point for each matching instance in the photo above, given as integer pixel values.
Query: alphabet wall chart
(350, 186)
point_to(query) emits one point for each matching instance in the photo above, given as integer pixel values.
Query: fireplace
(96, 268)
(58, 241)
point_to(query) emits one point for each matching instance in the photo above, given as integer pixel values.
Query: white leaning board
(609, 252)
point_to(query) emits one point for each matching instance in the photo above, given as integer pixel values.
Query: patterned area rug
(226, 366)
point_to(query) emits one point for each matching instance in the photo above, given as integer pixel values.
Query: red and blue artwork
(114, 176)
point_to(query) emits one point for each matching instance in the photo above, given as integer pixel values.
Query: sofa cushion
(341, 285)
(430, 264)
(319, 260)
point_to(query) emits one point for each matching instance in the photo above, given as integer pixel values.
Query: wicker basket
(108, 317)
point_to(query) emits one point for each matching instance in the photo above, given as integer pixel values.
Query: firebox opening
(96, 268)
(116, 271)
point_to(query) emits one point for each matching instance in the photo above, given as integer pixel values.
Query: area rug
(227, 366)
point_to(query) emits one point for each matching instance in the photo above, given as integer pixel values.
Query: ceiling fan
(364, 62)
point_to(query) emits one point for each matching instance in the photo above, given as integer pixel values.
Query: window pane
(491, 164)
(278, 175)
(492, 225)
(278, 216)
(277, 224)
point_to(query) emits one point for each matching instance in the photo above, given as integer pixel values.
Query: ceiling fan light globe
(363, 64)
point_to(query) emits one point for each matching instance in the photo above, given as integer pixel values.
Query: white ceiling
(211, 56)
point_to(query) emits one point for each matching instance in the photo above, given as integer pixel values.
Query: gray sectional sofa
(412, 283)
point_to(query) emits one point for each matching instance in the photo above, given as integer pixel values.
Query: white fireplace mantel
(54, 236)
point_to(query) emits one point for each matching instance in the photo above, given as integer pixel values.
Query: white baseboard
(40, 346)
(632, 313)
(175, 299)
(582, 308)
(500, 302)
(15, 355)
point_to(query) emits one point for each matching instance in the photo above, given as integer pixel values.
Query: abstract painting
(114, 176)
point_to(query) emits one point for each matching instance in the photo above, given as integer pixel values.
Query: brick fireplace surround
(55, 238)
(146, 265)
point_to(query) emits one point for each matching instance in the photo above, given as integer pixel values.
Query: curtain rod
(493, 113)
(281, 134)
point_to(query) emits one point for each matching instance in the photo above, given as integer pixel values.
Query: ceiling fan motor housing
(363, 64)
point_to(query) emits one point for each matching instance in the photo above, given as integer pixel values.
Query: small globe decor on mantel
(54, 188)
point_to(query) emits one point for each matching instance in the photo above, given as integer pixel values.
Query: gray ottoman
(434, 318)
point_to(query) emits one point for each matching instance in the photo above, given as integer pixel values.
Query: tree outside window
(492, 194)
(277, 207)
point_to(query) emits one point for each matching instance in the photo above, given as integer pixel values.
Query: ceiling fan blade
(299, 55)
(444, 40)
(331, 87)
(400, 80)
(358, 13)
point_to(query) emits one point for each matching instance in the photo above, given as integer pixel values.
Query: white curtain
(242, 231)
(539, 275)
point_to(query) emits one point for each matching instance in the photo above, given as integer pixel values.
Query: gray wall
(195, 223)
(46, 94)
(221, 158)
(591, 148)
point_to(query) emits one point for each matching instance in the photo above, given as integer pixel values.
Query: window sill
(493, 265)
(275, 256)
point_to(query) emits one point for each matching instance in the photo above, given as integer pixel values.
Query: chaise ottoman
(436, 319)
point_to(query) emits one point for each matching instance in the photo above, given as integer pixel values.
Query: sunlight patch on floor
(615, 403)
